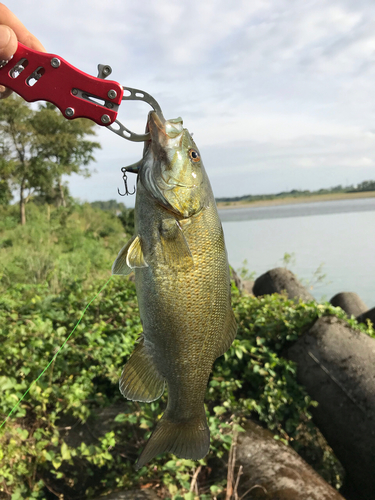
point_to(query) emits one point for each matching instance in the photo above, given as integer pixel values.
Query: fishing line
(54, 357)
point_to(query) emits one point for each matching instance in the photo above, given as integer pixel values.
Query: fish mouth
(162, 132)
(161, 129)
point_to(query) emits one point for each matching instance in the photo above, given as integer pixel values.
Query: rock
(274, 471)
(336, 365)
(247, 287)
(349, 302)
(131, 495)
(367, 315)
(279, 280)
(244, 286)
(236, 278)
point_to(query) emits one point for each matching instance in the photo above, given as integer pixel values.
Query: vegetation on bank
(50, 269)
(365, 186)
(60, 244)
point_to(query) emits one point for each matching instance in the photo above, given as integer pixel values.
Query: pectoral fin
(175, 249)
(129, 257)
(140, 380)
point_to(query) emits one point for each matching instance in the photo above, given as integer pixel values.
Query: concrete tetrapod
(279, 280)
(336, 364)
(349, 302)
(274, 471)
(362, 318)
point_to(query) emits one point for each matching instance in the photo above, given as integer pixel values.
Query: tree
(39, 147)
(366, 186)
(61, 144)
(5, 172)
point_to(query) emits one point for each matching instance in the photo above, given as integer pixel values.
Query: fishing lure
(125, 179)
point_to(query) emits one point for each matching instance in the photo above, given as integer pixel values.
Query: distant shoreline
(290, 200)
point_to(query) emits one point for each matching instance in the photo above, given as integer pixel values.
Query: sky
(279, 94)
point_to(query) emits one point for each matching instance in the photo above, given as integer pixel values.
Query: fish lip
(147, 144)
(157, 122)
(153, 122)
(153, 116)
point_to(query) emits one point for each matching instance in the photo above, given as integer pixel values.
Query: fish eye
(194, 155)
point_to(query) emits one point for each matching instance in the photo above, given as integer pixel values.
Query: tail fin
(189, 439)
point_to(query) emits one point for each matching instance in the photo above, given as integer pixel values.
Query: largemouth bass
(183, 289)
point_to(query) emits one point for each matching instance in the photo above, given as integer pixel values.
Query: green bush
(250, 380)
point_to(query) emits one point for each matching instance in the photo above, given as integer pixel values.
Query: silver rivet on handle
(112, 94)
(55, 62)
(105, 119)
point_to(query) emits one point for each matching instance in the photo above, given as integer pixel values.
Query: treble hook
(125, 179)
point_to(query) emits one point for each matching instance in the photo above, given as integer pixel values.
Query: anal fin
(140, 380)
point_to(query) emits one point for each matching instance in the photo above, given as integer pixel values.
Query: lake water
(338, 236)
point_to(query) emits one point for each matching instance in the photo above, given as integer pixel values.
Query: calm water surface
(337, 235)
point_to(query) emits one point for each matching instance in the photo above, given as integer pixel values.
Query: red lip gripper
(37, 76)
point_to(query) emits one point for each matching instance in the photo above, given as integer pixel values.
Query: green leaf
(56, 463)
(215, 489)
(220, 410)
(24, 433)
(121, 417)
(172, 489)
(239, 353)
(65, 453)
(7, 383)
(17, 495)
(49, 455)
